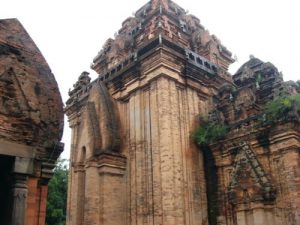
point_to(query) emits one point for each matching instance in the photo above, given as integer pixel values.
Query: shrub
(281, 108)
(208, 133)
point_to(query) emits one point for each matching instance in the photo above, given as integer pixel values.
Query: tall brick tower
(133, 158)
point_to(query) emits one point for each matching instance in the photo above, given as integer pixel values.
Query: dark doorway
(6, 165)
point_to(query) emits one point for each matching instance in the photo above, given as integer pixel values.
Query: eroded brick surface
(161, 72)
(30, 103)
(31, 123)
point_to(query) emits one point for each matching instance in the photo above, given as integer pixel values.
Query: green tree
(298, 84)
(57, 195)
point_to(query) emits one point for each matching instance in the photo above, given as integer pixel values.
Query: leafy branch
(208, 133)
(281, 108)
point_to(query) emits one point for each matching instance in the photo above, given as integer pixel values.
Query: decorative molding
(245, 160)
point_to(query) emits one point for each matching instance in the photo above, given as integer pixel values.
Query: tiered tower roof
(155, 22)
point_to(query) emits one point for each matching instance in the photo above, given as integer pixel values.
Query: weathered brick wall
(30, 103)
(165, 170)
(31, 122)
(279, 161)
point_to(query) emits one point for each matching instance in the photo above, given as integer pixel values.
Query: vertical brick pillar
(80, 195)
(111, 168)
(43, 192)
(241, 217)
(291, 183)
(32, 205)
(36, 201)
(91, 194)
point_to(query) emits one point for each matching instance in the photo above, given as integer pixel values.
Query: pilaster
(111, 168)
(19, 199)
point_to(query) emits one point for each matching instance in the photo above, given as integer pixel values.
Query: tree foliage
(57, 195)
(282, 108)
(298, 85)
(208, 133)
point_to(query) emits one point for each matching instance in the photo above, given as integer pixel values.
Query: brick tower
(133, 158)
(31, 124)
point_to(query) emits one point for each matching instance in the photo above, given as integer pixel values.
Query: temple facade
(31, 123)
(134, 158)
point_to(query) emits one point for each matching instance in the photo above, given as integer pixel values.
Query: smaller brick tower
(31, 123)
(255, 167)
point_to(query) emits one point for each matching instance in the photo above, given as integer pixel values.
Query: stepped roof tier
(156, 22)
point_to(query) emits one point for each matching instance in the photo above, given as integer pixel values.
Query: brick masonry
(133, 157)
(31, 123)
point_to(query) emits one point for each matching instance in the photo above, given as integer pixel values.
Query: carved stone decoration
(13, 101)
(225, 92)
(247, 74)
(119, 50)
(246, 71)
(114, 51)
(249, 181)
(244, 98)
(255, 84)
(244, 103)
(19, 198)
(206, 44)
(160, 3)
(262, 78)
(193, 24)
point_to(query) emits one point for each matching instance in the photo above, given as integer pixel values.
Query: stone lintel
(16, 149)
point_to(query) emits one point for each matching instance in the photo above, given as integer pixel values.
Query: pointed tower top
(157, 3)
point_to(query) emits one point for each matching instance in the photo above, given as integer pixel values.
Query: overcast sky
(69, 33)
